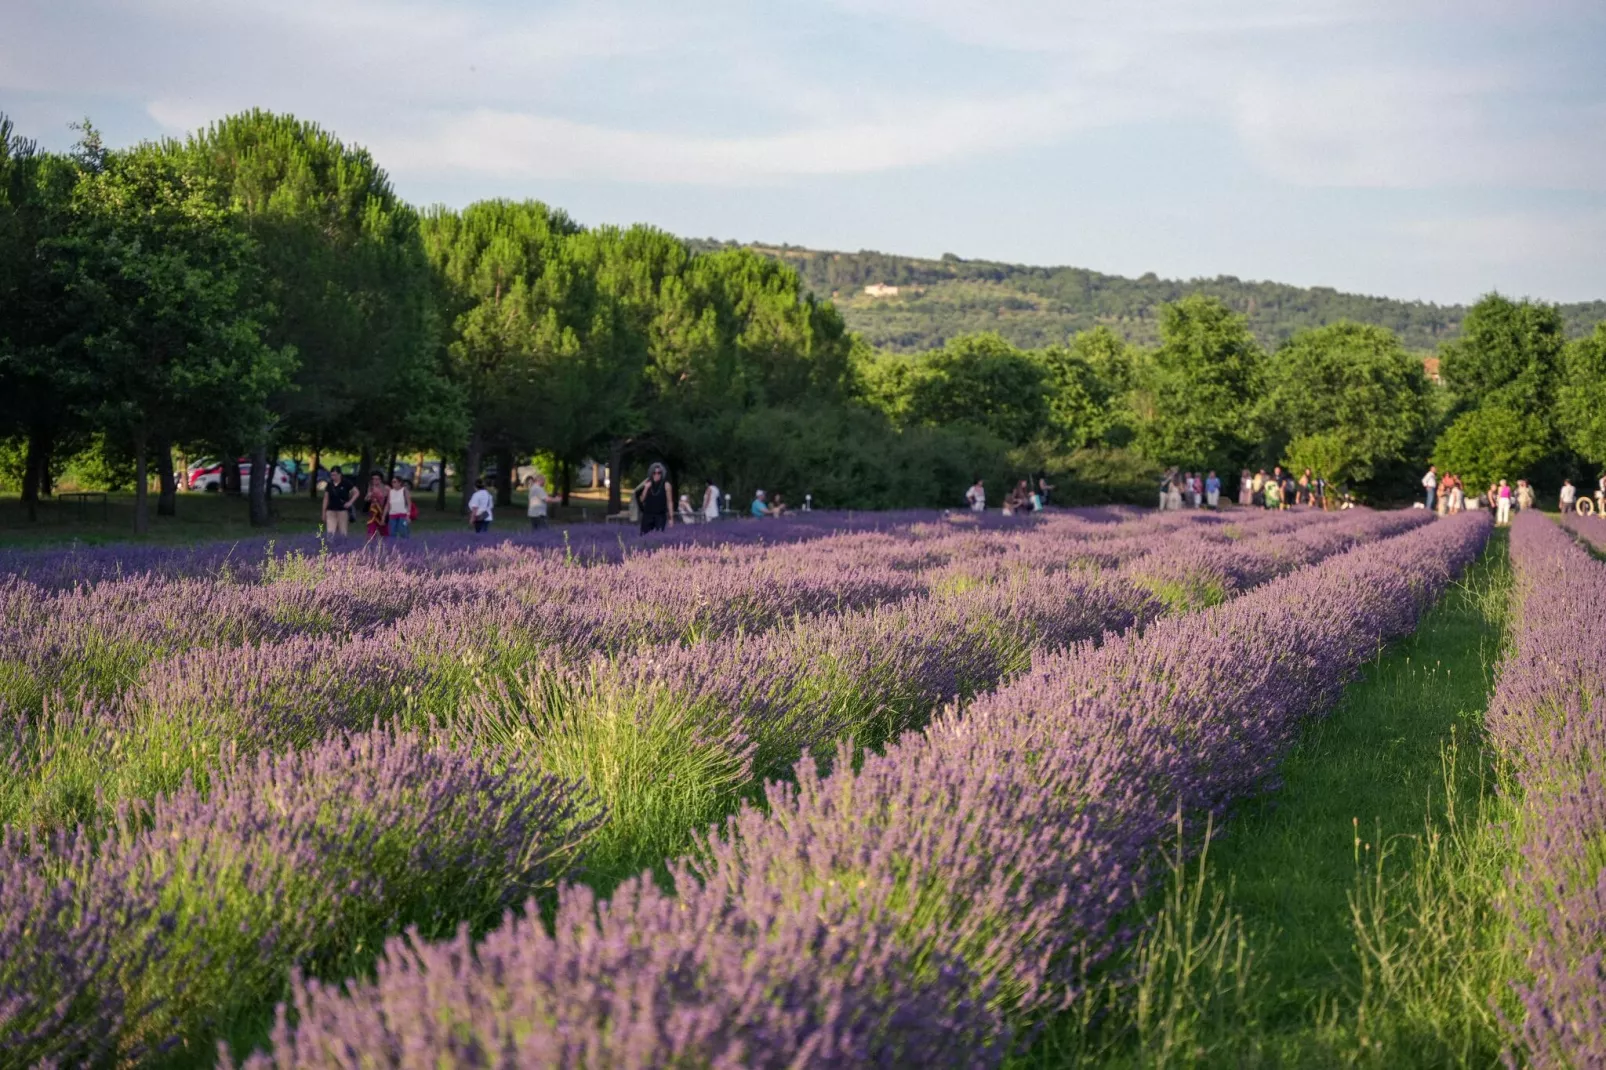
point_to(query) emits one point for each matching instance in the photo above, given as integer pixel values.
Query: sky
(1423, 149)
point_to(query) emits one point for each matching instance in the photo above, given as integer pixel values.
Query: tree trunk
(365, 466)
(440, 487)
(616, 461)
(167, 501)
(504, 478)
(229, 477)
(565, 477)
(312, 477)
(390, 469)
(142, 494)
(35, 469)
(260, 481)
(471, 469)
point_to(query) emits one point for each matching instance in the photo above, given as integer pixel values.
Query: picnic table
(81, 498)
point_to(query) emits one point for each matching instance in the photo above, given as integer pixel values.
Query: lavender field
(880, 789)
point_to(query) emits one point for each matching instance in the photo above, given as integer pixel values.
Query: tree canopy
(260, 285)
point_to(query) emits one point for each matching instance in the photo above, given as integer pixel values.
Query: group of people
(1447, 493)
(1021, 499)
(390, 507)
(1274, 490)
(653, 495)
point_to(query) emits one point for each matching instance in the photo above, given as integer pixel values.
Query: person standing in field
(1430, 484)
(336, 501)
(378, 501)
(1274, 494)
(976, 497)
(1043, 488)
(711, 502)
(1525, 495)
(653, 497)
(1246, 487)
(481, 508)
(536, 495)
(1569, 494)
(1212, 489)
(1502, 512)
(399, 509)
(1458, 494)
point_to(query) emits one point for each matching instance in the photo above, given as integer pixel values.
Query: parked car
(208, 476)
(428, 476)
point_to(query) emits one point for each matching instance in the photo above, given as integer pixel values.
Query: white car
(208, 476)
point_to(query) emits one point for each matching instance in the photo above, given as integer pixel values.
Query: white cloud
(525, 145)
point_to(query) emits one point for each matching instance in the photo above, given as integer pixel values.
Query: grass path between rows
(1350, 918)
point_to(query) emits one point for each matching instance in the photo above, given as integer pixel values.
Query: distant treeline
(1038, 306)
(259, 287)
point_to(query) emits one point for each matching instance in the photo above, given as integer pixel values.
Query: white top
(398, 501)
(977, 497)
(1430, 481)
(711, 502)
(1568, 493)
(538, 500)
(482, 504)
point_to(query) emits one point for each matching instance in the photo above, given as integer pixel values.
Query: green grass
(1352, 918)
(205, 517)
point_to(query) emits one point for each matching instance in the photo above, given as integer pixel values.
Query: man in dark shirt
(336, 501)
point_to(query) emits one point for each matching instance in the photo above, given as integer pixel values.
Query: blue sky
(1432, 149)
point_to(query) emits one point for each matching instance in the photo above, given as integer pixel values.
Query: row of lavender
(183, 915)
(1548, 718)
(118, 675)
(926, 907)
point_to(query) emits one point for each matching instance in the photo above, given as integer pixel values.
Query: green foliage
(1509, 354)
(346, 271)
(163, 285)
(979, 381)
(1327, 454)
(851, 457)
(1196, 392)
(1492, 443)
(1347, 394)
(1581, 397)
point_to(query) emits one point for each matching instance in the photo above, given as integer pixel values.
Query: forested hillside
(1036, 306)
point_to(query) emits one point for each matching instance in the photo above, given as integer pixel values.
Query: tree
(353, 290)
(1196, 393)
(978, 381)
(1349, 381)
(735, 332)
(1490, 443)
(44, 380)
(1509, 354)
(165, 285)
(1088, 384)
(1581, 398)
(491, 259)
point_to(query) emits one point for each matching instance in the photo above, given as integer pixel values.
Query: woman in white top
(711, 502)
(683, 508)
(399, 509)
(535, 488)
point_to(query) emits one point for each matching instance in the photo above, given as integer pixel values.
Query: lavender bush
(973, 868)
(1548, 717)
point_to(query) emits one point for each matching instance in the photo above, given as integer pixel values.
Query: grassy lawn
(1350, 918)
(202, 517)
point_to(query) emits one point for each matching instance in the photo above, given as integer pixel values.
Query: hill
(1037, 306)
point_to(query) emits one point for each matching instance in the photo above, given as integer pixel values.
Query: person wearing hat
(760, 506)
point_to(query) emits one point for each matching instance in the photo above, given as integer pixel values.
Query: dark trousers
(654, 522)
